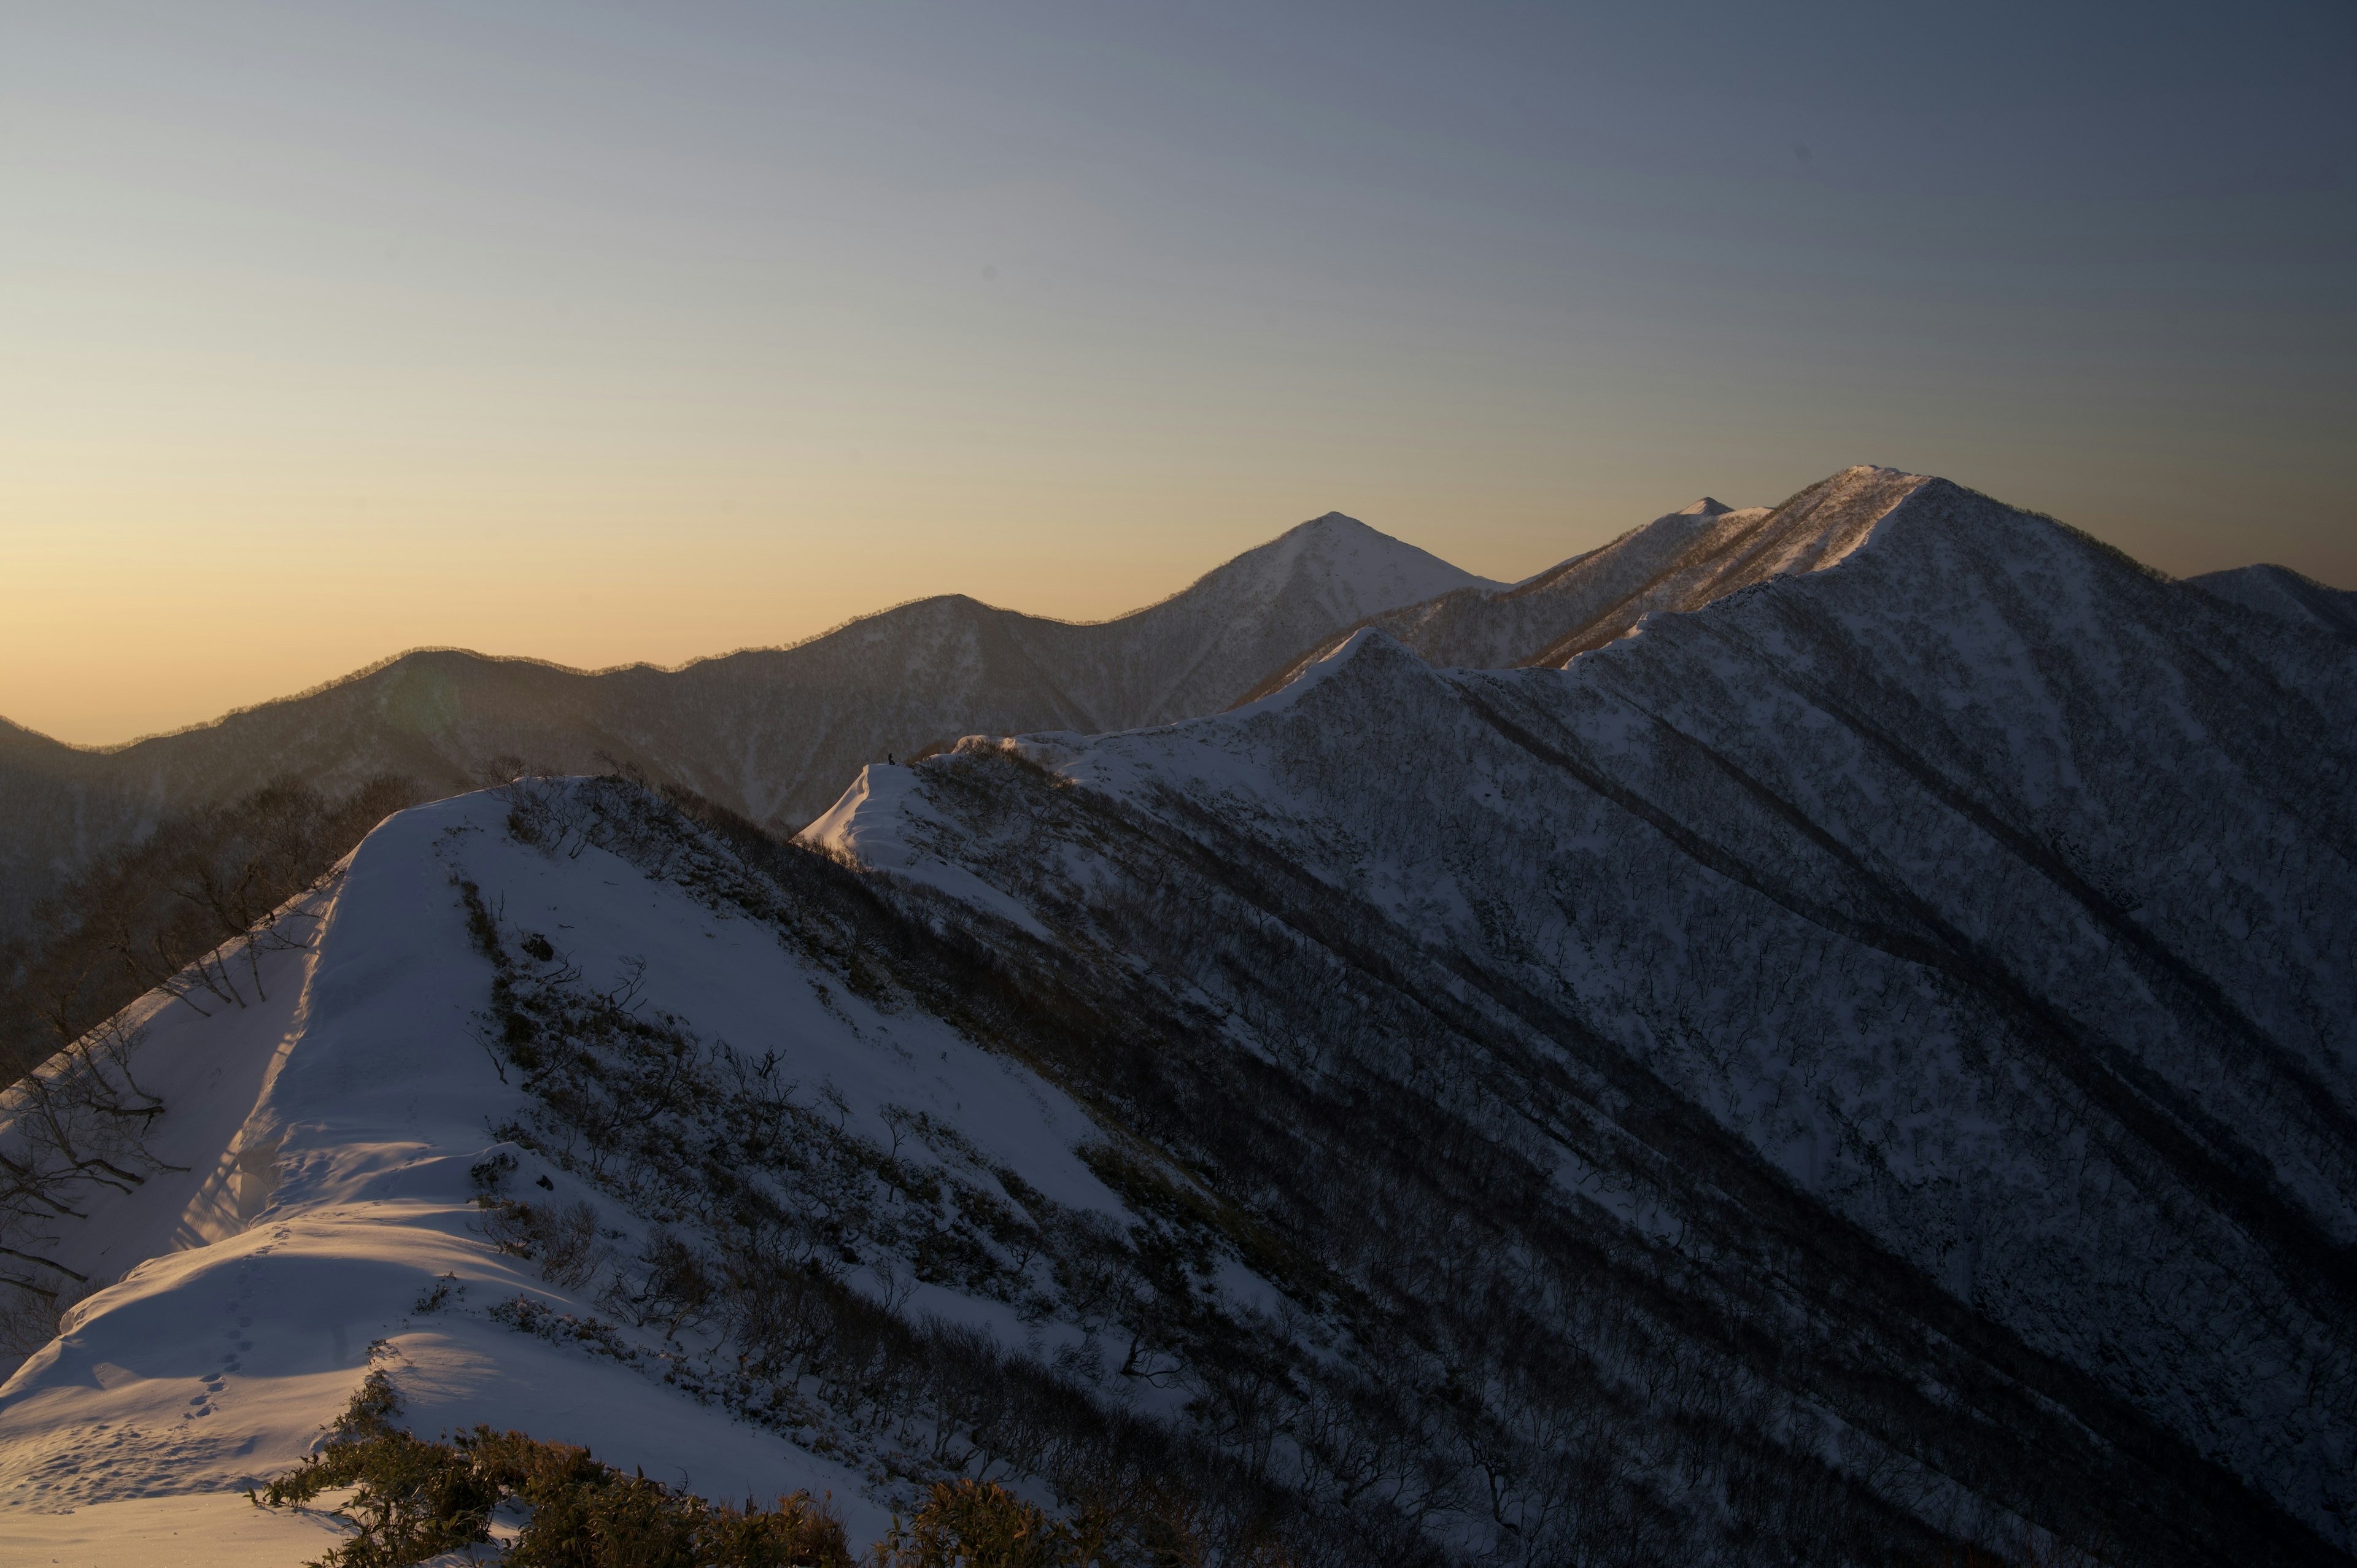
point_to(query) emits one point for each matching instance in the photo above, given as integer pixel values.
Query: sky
(603, 333)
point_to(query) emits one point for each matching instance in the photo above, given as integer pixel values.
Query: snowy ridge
(879, 825)
(1678, 562)
(333, 1133)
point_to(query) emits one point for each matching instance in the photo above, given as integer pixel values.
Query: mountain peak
(1333, 525)
(1710, 506)
(1357, 569)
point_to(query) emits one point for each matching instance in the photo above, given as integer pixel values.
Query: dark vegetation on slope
(1469, 1353)
(417, 1499)
(413, 1500)
(1407, 1133)
(762, 1204)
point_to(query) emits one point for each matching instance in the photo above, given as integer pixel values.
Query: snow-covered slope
(310, 1201)
(1991, 895)
(771, 732)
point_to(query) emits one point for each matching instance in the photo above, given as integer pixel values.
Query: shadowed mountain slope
(1988, 895)
(2287, 595)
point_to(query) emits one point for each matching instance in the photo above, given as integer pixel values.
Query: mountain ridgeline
(1818, 1034)
(771, 732)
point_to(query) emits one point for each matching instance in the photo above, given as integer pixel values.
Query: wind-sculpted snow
(771, 732)
(313, 1197)
(1976, 920)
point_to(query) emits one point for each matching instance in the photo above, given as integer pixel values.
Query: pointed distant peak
(1371, 569)
(1710, 509)
(1321, 536)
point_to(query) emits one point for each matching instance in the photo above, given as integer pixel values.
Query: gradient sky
(602, 332)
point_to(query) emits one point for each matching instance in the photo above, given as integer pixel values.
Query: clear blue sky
(603, 332)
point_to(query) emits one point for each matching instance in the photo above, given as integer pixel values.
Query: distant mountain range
(774, 732)
(771, 732)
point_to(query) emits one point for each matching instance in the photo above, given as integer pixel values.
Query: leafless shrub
(75, 1126)
(563, 1239)
(192, 909)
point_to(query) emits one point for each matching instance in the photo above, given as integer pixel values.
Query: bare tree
(75, 1126)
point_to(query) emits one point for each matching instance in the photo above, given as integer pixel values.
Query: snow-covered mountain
(1995, 894)
(1855, 1063)
(771, 732)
